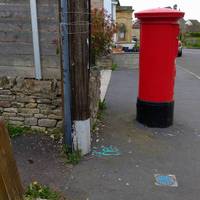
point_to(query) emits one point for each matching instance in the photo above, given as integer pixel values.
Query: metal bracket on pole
(36, 47)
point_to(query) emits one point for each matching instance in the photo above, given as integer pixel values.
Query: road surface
(145, 152)
(190, 60)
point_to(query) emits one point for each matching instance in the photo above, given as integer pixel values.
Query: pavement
(127, 155)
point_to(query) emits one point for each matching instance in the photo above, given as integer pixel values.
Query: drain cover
(166, 180)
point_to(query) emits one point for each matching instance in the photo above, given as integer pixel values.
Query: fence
(16, 46)
(10, 185)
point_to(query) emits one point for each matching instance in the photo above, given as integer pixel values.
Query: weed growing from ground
(35, 190)
(114, 67)
(94, 126)
(15, 131)
(73, 157)
(102, 108)
(56, 134)
(102, 105)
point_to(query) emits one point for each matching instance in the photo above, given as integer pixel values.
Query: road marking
(165, 180)
(106, 151)
(186, 70)
(191, 51)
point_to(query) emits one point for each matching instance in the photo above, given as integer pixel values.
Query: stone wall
(38, 104)
(35, 104)
(105, 62)
(126, 60)
(95, 84)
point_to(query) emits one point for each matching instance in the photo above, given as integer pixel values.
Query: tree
(175, 6)
(103, 30)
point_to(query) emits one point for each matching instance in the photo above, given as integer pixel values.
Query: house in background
(125, 24)
(192, 26)
(109, 5)
(136, 29)
(122, 15)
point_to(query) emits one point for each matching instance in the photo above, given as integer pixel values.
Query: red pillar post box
(158, 51)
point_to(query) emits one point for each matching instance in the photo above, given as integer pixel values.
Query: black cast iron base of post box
(157, 115)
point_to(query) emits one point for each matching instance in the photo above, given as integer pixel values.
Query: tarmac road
(190, 60)
(145, 152)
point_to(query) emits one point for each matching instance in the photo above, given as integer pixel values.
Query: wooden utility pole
(10, 184)
(79, 38)
(79, 57)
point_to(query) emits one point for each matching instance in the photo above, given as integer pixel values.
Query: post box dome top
(160, 13)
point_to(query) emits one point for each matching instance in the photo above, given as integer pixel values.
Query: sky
(190, 7)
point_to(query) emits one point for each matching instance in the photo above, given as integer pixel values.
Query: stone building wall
(124, 16)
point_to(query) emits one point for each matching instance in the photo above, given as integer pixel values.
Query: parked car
(180, 49)
(131, 47)
(128, 47)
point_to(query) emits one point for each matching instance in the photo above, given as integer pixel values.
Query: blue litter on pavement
(106, 151)
(166, 180)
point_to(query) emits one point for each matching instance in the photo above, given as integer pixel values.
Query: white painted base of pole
(82, 136)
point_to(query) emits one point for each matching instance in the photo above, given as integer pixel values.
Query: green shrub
(193, 46)
(195, 34)
(192, 42)
(103, 29)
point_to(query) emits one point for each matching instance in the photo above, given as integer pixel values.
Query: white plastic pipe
(35, 34)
